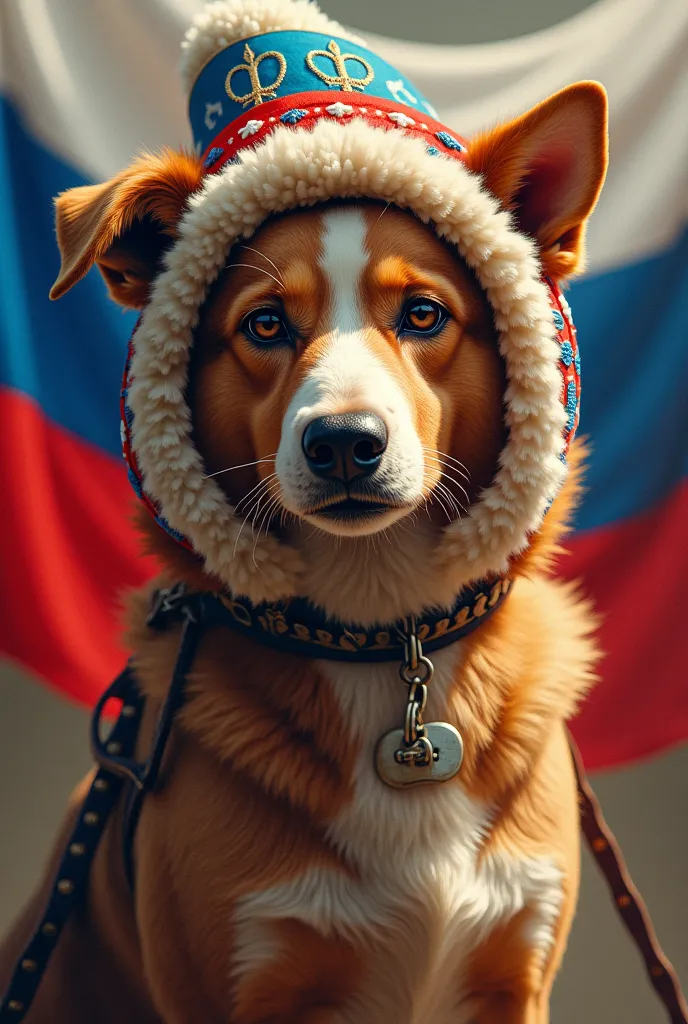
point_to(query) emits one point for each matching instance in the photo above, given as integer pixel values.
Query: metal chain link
(417, 671)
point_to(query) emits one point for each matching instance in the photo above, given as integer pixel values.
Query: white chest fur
(419, 899)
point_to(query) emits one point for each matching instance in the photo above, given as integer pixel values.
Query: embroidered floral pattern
(566, 353)
(213, 156)
(251, 128)
(571, 404)
(403, 120)
(558, 320)
(293, 116)
(450, 142)
(339, 109)
(432, 151)
(567, 309)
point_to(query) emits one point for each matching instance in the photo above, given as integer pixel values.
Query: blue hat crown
(277, 65)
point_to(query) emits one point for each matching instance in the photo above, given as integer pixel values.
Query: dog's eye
(265, 327)
(424, 317)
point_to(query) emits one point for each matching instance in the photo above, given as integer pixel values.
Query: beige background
(44, 747)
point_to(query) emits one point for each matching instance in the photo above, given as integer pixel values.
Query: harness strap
(628, 901)
(71, 880)
(115, 757)
(149, 771)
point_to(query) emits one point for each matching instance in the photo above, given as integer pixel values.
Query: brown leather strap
(628, 900)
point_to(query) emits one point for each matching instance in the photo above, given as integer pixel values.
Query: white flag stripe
(97, 82)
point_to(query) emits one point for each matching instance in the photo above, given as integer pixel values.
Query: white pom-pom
(223, 22)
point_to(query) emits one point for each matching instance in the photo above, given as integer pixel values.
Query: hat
(289, 110)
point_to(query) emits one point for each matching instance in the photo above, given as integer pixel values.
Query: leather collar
(299, 627)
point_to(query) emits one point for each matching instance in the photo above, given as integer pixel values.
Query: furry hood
(356, 146)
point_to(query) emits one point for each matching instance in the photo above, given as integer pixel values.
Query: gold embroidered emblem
(240, 612)
(343, 79)
(274, 621)
(259, 92)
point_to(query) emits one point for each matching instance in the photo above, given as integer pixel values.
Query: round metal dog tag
(437, 760)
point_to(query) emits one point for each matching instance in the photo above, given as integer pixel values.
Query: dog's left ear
(125, 225)
(548, 167)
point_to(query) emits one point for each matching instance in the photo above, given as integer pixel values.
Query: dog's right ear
(125, 225)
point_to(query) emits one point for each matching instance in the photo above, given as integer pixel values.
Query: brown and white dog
(346, 368)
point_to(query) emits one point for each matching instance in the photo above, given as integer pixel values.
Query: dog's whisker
(383, 213)
(253, 508)
(456, 462)
(447, 466)
(244, 465)
(273, 497)
(447, 469)
(449, 461)
(444, 456)
(447, 476)
(407, 527)
(386, 536)
(270, 512)
(267, 258)
(437, 496)
(451, 498)
(265, 495)
(255, 499)
(454, 512)
(256, 493)
(261, 270)
(245, 520)
(261, 483)
(434, 496)
(264, 521)
(286, 516)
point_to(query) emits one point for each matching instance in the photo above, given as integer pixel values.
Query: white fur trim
(221, 23)
(296, 168)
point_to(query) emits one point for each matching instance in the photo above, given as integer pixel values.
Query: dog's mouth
(352, 516)
(351, 508)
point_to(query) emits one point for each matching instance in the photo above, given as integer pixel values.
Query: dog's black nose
(345, 447)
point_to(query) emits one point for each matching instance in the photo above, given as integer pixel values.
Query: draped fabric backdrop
(84, 86)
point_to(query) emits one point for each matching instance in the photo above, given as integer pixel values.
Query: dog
(349, 395)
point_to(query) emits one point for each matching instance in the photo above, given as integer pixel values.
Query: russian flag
(83, 88)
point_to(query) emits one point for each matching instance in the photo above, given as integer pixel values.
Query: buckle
(172, 602)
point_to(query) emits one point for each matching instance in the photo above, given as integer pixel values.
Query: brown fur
(258, 764)
(122, 225)
(261, 757)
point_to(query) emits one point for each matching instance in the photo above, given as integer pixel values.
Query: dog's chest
(417, 899)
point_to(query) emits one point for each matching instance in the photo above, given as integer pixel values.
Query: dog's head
(352, 368)
(348, 349)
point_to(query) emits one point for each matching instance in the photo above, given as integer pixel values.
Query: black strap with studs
(71, 879)
(167, 606)
(117, 767)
